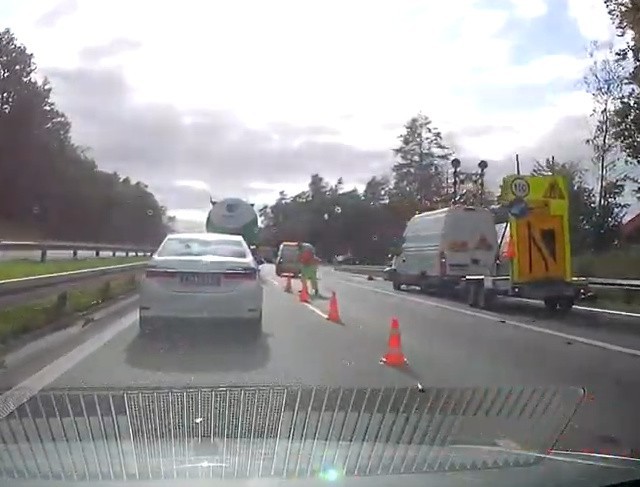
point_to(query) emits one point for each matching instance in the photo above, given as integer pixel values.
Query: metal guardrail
(25, 289)
(631, 284)
(44, 246)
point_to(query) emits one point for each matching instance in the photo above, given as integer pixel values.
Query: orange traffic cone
(287, 287)
(334, 315)
(394, 356)
(510, 252)
(304, 293)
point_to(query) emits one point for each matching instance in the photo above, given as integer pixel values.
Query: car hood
(302, 432)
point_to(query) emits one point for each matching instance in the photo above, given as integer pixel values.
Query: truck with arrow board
(520, 248)
(534, 251)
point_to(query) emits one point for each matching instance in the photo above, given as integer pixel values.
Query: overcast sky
(246, 98)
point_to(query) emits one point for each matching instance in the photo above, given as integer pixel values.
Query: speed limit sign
(520, 187)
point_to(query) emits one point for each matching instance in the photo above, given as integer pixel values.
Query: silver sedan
(202, 276)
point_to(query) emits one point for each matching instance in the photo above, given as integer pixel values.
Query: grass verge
(20, 320)
(13, 269)
(623, 263)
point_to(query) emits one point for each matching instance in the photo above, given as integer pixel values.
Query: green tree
(419, 173)
(582, 205)
(625, 15)
(376, 191)
(605, 81)
(48, 182)
(335, 220)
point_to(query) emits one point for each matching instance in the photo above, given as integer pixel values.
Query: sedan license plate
(200, 279)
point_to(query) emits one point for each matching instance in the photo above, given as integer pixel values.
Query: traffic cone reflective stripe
(333, 315)
(287, 287)
(394, 356)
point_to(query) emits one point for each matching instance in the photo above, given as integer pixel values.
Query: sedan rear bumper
(239, 304)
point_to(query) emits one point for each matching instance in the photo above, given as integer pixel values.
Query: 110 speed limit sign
(520, 187)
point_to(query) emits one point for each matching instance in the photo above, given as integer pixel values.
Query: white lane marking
(308, 305)
(494, 318)
(21, 393)
(607, 311)
(315, 310)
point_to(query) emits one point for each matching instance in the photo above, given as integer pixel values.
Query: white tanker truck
(234, 216)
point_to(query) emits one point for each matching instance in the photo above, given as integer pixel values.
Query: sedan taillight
(241, 274)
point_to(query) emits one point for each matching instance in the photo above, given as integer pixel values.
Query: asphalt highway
(445, 342)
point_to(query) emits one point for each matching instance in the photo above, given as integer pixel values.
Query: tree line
(49, 183)
(369, 223)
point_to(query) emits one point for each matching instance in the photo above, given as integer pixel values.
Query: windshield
(187, 247)
(355, 242)
(289, 252)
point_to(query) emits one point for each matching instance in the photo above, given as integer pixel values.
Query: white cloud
(193, 183)
(540, 71)
(524, 128)
(360, 67)
(530, 9)
(592, 19)
(287, 60)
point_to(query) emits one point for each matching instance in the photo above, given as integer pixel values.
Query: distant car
(202, 276)
(287, 260)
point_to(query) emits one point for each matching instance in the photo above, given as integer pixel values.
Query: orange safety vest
(307, 257)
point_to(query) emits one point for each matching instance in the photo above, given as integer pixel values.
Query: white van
(443, 246)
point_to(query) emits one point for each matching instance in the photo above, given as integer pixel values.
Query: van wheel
(472, 294)
(396, 285)
(486, 298)
(565, 304)
(255, 327)
(551, 304)
(146, 325)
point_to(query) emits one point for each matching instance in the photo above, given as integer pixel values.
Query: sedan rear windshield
(186, 247)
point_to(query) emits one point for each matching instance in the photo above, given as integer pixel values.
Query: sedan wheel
(255, 326)
(145, 324)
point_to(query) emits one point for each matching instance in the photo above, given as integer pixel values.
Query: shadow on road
(217, 349)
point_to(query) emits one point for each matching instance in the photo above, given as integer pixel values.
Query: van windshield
(289, 252)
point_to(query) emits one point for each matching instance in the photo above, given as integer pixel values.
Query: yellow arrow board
(541, 238)
(540, 249)
(533, 188)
